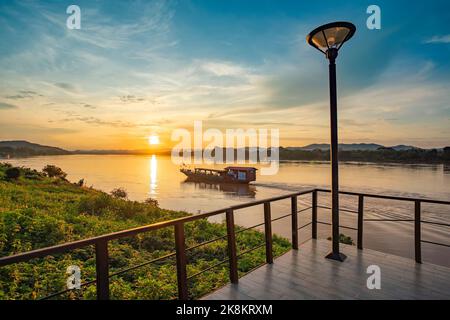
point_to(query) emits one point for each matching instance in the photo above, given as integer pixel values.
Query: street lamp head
(330, 37)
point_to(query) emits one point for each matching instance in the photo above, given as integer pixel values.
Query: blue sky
(147, 67)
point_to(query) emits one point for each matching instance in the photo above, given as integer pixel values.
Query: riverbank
(37, 211)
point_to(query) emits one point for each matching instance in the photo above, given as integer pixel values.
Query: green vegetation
(37, 211)
(381, 155)
(54, 172)
(12, 173)
(119, 193)
(344, 239)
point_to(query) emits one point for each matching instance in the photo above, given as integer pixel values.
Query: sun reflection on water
(153, 175)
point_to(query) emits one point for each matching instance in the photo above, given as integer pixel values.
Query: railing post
(268, 232)
(360, 220)
(314, 215)
(180, 247)
(294, 224)
(231, 236)
(102, 270)
(417, 232)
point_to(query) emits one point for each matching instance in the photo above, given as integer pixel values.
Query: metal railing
(417, 218)
(101, 242)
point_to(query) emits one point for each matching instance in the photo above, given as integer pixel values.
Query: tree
(119, 193)
(151, 202)
(12, 173)
(447, 153)
(54, 172)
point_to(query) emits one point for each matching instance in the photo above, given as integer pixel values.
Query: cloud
(25, 130)
(97, 121)
(130, 99)
(154, 19)
(439, 39)
(24, 94)
(65, 86)
(224, 69)
(4, 106)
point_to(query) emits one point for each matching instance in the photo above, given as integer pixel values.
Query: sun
(153, 140)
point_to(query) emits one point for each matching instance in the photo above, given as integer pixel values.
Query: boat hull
(200, 177)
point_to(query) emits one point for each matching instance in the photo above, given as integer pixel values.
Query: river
(159, 178)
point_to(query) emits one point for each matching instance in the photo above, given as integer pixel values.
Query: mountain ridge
(23, 147)
(14, 148)
(352, 147)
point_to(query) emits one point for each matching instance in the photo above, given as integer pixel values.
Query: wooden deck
(306, 274)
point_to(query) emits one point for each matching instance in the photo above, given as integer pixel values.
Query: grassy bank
(37, 211)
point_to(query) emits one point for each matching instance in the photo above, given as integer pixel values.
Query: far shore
(355, 162)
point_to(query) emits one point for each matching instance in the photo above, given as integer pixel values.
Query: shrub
(12, 173)
(95, 205)
(152, 202)
(119, 193)
(54, 172)
(344, 239)
(32, 174)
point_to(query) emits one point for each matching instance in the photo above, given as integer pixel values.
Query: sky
(142, 68)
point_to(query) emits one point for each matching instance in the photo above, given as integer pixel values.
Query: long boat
(227, 175)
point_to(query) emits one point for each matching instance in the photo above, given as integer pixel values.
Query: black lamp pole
(328, 39)
(335, 254)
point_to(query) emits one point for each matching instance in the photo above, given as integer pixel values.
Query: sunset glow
(153, 140)
(69, 94)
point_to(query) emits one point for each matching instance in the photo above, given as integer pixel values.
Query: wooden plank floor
(306, 274)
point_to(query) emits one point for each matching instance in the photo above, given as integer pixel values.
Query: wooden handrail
(294, 223)
(360, 221)
(102, 269)
(381, 196)
(268, 232)
(314, 215)
(231, 237)
(39, 253)
(180, 248)
(417, 232)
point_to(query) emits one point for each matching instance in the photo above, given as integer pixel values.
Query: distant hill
(350, 147)
(402, 147)
(21, 148)
(371, 152)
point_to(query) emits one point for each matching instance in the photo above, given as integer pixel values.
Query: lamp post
(328, 39)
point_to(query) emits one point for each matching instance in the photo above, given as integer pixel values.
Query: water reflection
(446, 168)
(153, 175)
(230, 189)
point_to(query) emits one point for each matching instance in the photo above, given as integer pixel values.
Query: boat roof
(241, 168)
(207, 169)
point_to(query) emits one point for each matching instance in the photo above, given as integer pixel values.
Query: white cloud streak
(439, 39)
